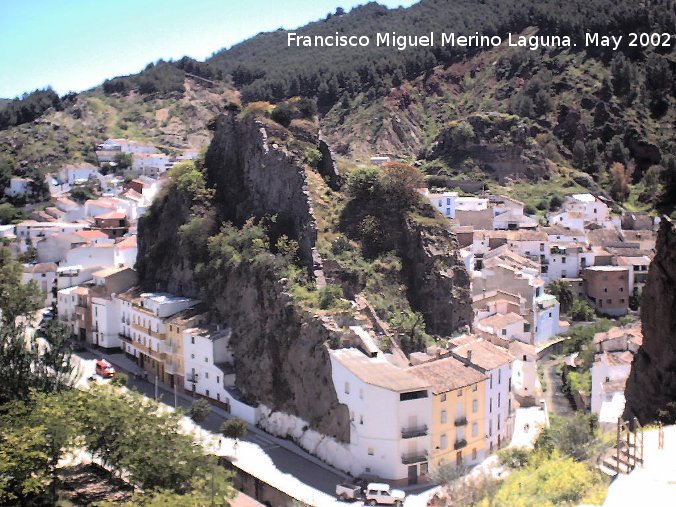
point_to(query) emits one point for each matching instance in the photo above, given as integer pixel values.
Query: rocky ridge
(652, 383)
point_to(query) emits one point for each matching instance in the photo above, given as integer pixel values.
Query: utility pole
(155, 387)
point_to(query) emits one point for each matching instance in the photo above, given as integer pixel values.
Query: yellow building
(174, 366)
(458, 411)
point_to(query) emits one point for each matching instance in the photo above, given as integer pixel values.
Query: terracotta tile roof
(633, 334)
(91, 234)
(129, 242)
(484, 354)
(378, 371)
(447, 374)
(499, 321)
(43, 267)
(113, 215)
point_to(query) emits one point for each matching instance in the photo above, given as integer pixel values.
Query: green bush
(581, 311)
(515, 457)
(234, 428)
(282, 114)
(329, 295)
(120, 379)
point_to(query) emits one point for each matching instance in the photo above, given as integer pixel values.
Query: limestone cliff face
(652, 382)
(437, 279)
(253, 178)
(280, 350)
(281, 354)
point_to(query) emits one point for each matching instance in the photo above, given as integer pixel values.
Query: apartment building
(390, 416)
(607, 288)
(145, 317)
(496, 363)
(209, 363)
(105, 309)
(458, 411)
(174, 364)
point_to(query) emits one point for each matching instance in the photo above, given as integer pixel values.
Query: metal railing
(414, 431)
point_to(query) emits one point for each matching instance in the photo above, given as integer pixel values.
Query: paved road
(557, 401)
(285, 460)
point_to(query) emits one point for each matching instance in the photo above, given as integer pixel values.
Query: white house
(18, 186)
(209, 362)
(471, 203)
(383, 401)
(444, 202)
(592, 208)
(507, 326)
(615, 351)
(105, 312)
(126, 146)
(568, 219)
(524, 372)
(150, 164)
(73, 210)
(44, 274)
(79, 173)
(55, 247)
(495, 362)
(546, 310)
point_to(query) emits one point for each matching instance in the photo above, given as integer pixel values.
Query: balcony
(149, 332)
(124, 337)
(461, 421)
(460, 444)
(414, 457)
(414, 431)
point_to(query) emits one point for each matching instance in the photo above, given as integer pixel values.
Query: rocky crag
(651, 387)
(254, 169)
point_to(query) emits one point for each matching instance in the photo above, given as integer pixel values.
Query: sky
(73, 45)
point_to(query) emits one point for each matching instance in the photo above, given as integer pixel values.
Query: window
(504, 332)
(218, 379)
(563, 260)
(490, 406)
(361, 419)
(206, 359)
(443, 441)
(361, 394)
(491, 382)
(206, 374)
(490, 428)
(499, 376)
(347, 388)
(444, 417)
(498, 422)
(475, 406)
(550, 314)
(498, 400)
(459, 393)
(474, 453)
(610, 301)
(475, 429)
(370, 451)
(621, 300)
(621, 289)
(207, 392)
(443, 397)
(475, 387)
(192, 356)
(605, 289)
(192, 340)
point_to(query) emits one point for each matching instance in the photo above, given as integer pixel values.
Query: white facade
(384, 401)
(499, 408)
(609, 372)
(18, 186)
(79, 173)
(44, 275)
(208, 362)
(545, 318)
(471, 204)
(150, 163)
(444, 202)
(568, 219)
(593, 209)
(126, 146)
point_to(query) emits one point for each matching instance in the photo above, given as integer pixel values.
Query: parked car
(105, 369)
(346, 491)
(377, 493)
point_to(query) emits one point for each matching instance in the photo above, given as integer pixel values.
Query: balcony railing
(414, 457)
(459, 444)
(461, 421)
(124, 337)
(412, 432)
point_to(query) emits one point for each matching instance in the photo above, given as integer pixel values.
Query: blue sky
(74, 45)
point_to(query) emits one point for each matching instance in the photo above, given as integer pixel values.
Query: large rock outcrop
(280, 349)
(254, 177)
(652, 382)
(438, 283)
